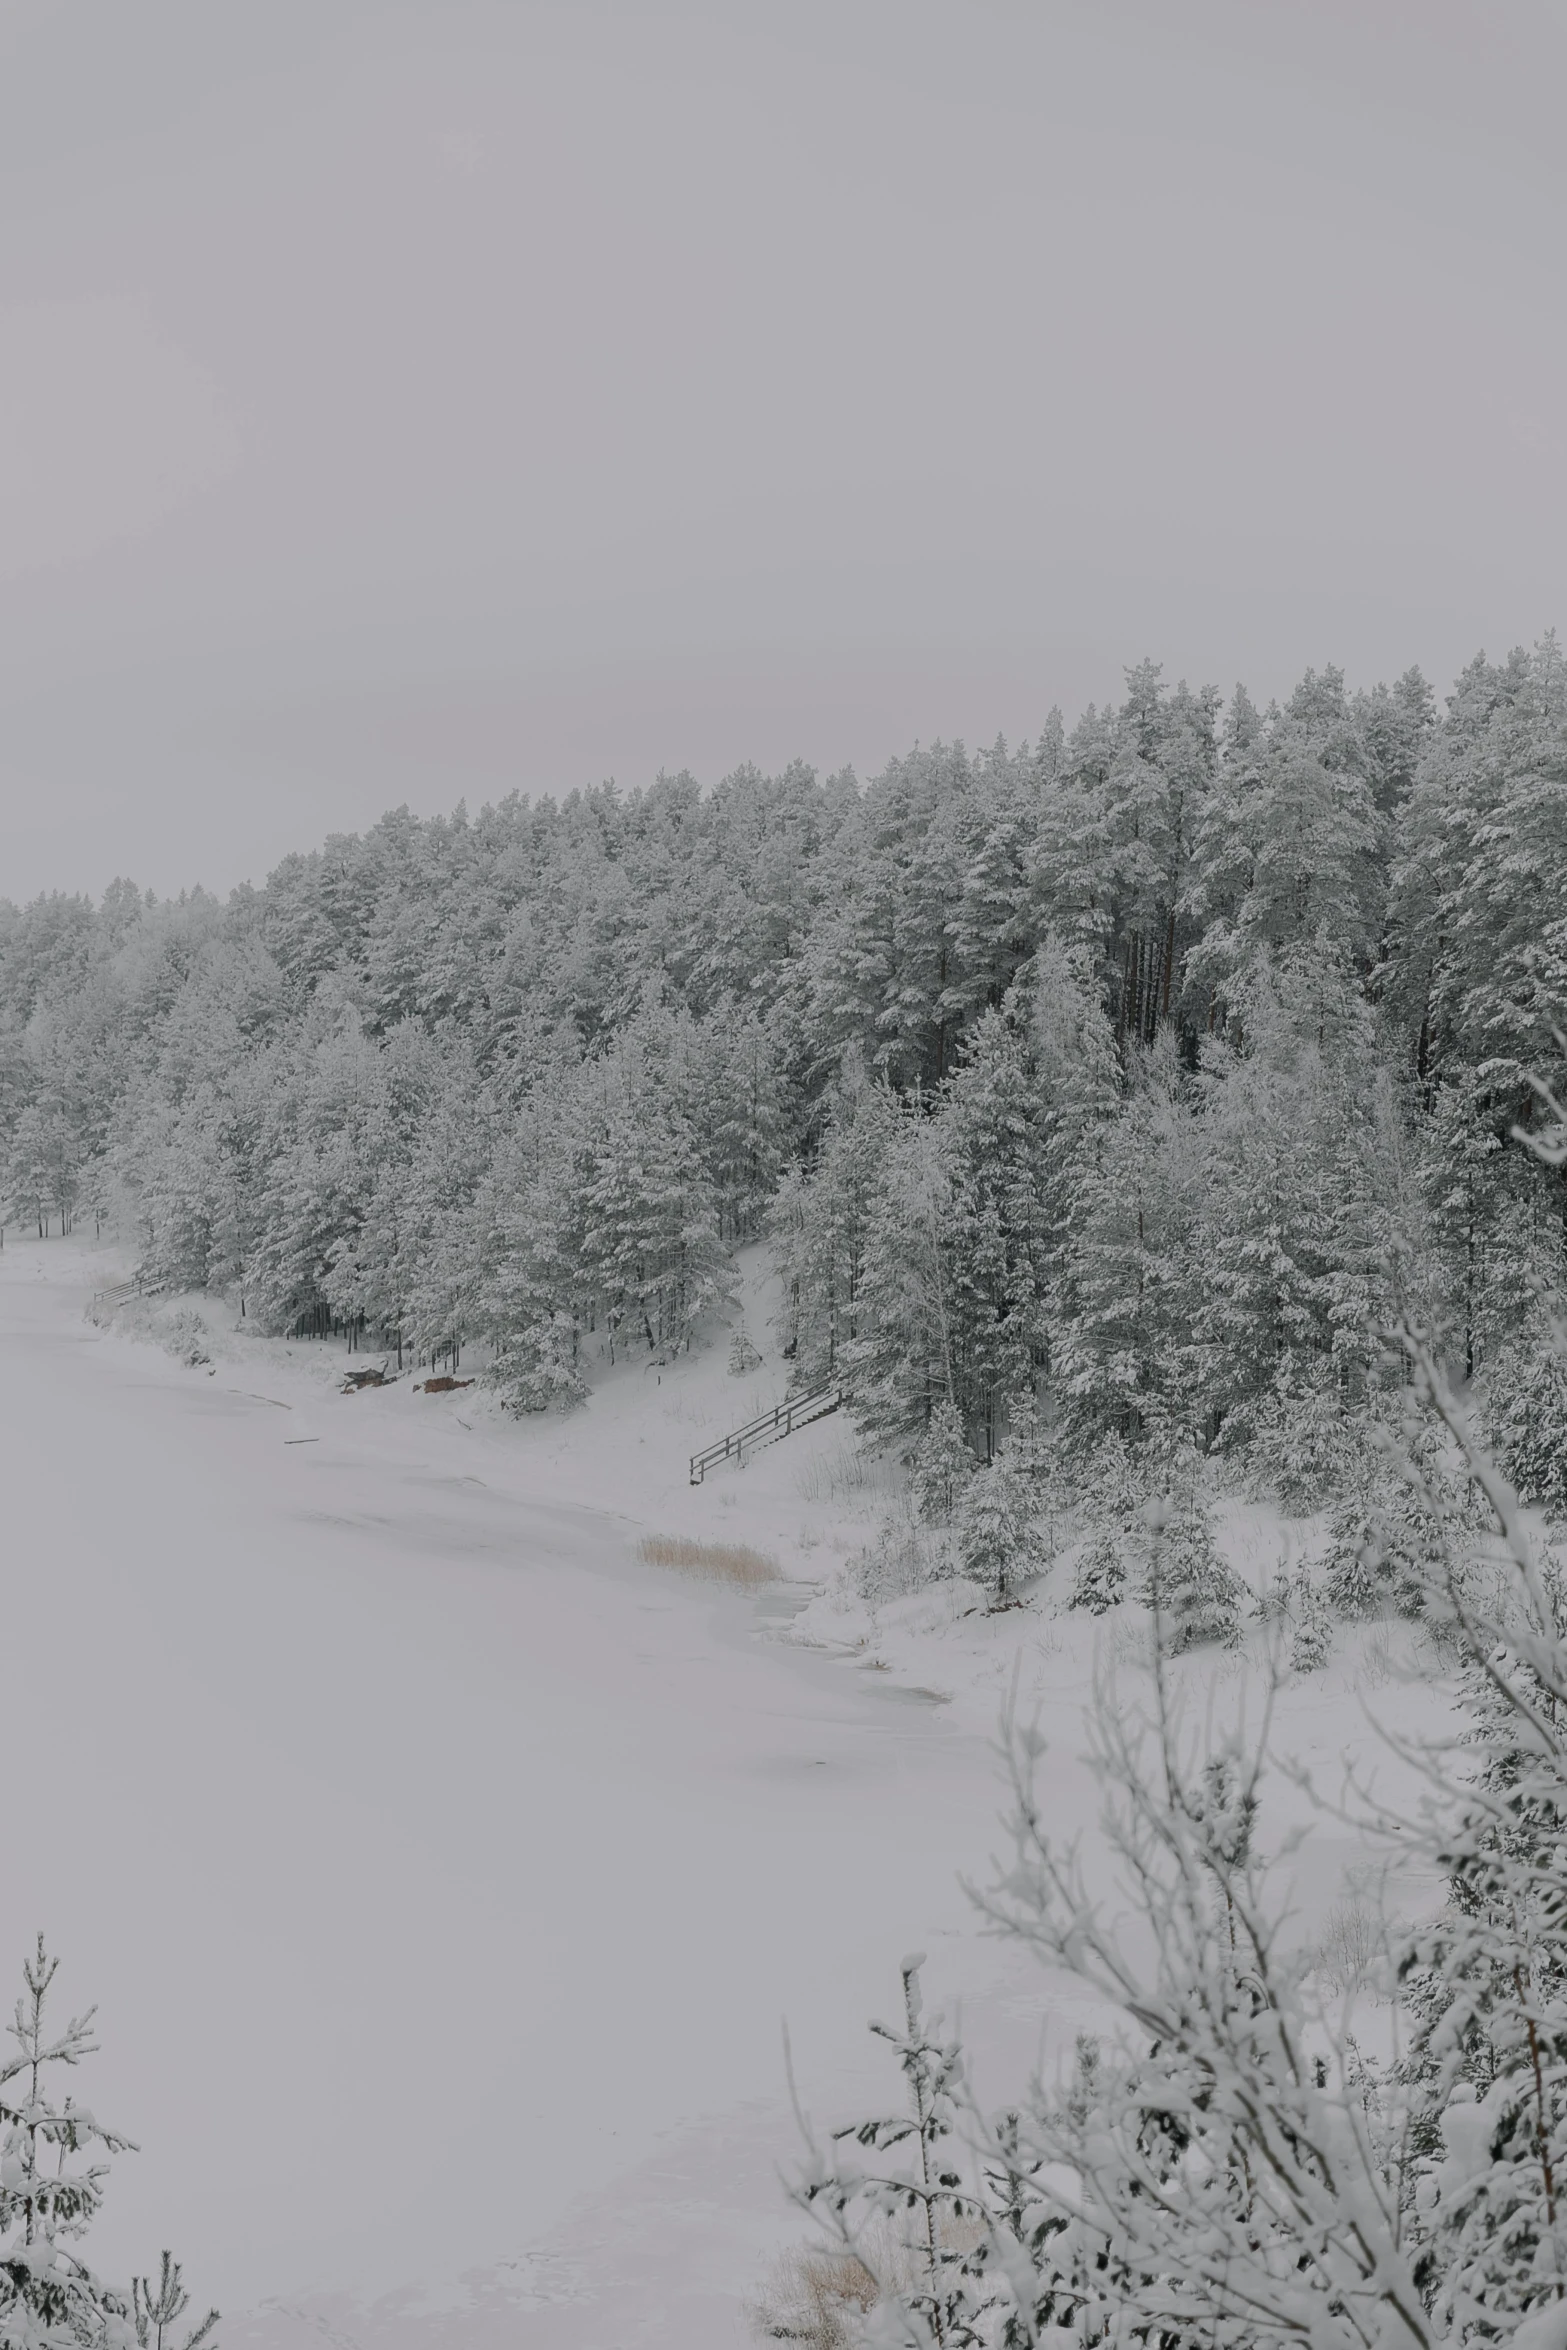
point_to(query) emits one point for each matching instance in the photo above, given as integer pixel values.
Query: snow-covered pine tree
(819, 1226)
(1000, 1238)
(943, 1465)
(1189, 1584)
(1390, 1533)
(649, 1219)
(1478, 1193)
(879, 962)
(1485, 850)
(1289, 844)
(1526, 1414)
(911, 2228)
(1099, 1577)
(1111, 1498)
(1129, 1287)
(1299, 1436)
(516, 1261)
(994, 1526)
(1377, 1555)
(908, 1353)
(1311, 1626)
(1303, 1195)
(156, 2310)
(48, 2295)
(51, 2188)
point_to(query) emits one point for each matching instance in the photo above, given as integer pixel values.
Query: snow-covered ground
(444, 1874)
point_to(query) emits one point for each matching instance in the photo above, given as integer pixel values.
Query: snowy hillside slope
(444, 1871)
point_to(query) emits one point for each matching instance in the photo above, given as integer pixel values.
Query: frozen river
(442, 1875)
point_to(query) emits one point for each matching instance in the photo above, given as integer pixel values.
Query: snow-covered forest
(1152, 1124)
(1110, 1085)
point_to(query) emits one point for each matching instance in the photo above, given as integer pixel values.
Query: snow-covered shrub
(942, 1465)
(1389, 1549)
(1114, 1485)
(1362, 1576)
(537, 1366)
(993, 1528)
(1294, 1607)
(1099, 1579)
(179, 1330)
(743, 1357)
(1111, 1497)
(1298, 1447)
(1311, 1627)
(1526, 1423)
(905, 1556)
(1188, 1581)
(1411, 1521)
(184, 1335)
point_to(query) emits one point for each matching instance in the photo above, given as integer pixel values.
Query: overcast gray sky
(416, 401)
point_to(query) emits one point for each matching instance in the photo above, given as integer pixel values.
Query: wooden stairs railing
(119, 1295)
(798, 1411)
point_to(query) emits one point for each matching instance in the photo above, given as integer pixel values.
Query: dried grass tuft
(714, 1562)
(814, 2295)
(821, 2294)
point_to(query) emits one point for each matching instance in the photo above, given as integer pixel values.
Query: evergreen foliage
(1194, 1592)
(53, 2167)
(1393, 1530)
(943, 1467)
(156, 2310)
(1099, 1579)
(1131, 1075)
(994, 1527)
(1311, 1627)
(1526, 1419)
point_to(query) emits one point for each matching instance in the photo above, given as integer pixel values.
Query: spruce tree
(1194, 1592)
(1099, 1578)
(994, 1529)
(1526, 1415)
(943, 1466)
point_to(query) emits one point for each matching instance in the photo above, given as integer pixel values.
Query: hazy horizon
(473, 806)
(414, 404)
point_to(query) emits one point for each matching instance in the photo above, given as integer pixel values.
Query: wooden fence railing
(119, 1295)
(798, 1411)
